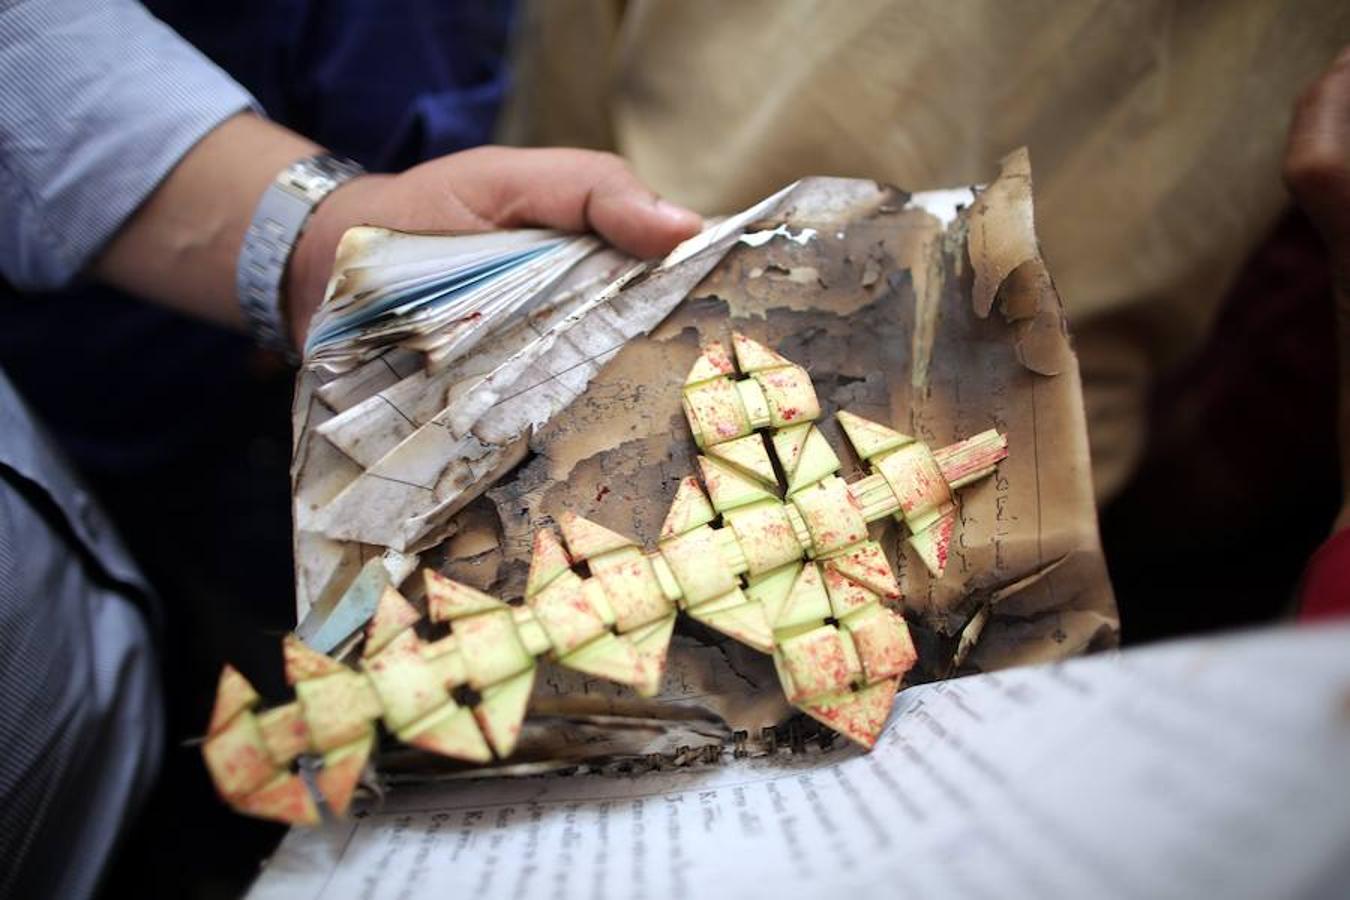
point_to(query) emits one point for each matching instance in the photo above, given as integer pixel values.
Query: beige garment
(1155, 131)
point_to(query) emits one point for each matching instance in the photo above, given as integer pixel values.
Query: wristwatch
(281, 215)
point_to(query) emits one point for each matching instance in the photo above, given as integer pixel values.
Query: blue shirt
(100, 101)
(387, 82)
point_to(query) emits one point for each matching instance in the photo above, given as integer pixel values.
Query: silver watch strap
(281, 215)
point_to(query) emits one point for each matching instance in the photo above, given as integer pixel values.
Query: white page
(1212, 768)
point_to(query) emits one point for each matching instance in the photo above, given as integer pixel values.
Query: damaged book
(557, 509)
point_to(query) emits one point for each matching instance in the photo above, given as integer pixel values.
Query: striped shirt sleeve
(98, 102)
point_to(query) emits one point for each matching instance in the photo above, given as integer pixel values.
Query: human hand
(1317, 170)
(488, 187)
(1317, 159)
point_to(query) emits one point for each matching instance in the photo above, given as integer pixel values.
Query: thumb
(631, 217)
(573, 190)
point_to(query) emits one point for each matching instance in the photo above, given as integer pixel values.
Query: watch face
(281, 214)
(316, 177)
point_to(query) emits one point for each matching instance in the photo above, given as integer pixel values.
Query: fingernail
(678, 215)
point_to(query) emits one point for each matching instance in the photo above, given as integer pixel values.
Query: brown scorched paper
(931, 312)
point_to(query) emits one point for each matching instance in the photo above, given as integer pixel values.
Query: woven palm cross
(790, 571)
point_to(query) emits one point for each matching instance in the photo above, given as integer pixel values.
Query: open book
(1208, 768)
(461, 393)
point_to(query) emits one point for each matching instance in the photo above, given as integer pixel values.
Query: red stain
(717, 354)
(245, 759)
(826, 660)
(600, 494)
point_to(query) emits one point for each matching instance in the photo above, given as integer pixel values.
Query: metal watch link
(281, 215)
